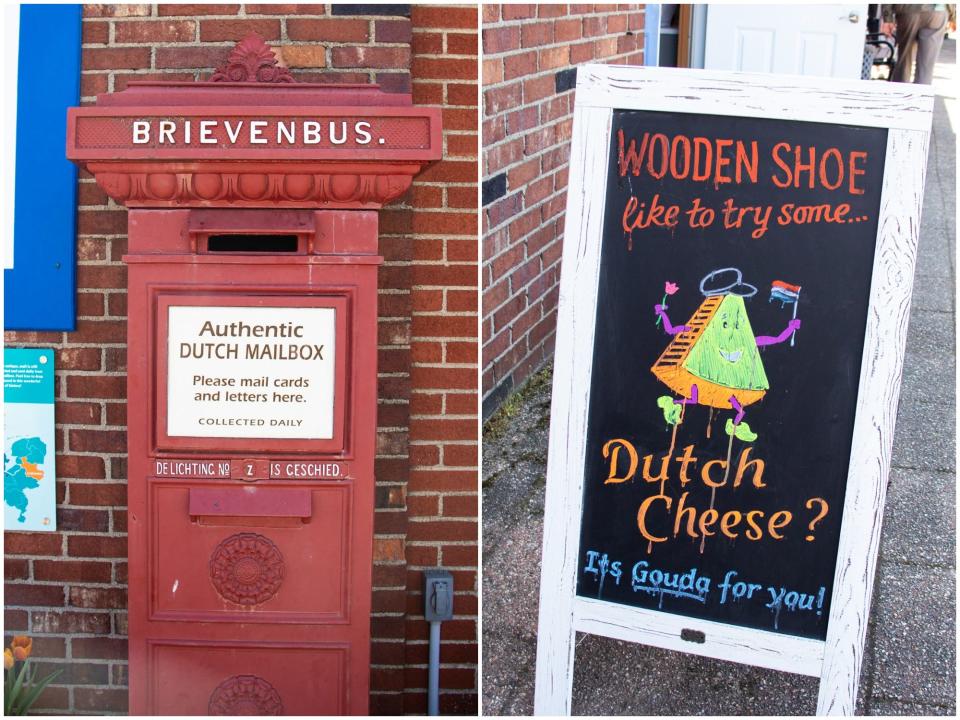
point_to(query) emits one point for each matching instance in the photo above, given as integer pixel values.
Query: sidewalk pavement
(910, 663)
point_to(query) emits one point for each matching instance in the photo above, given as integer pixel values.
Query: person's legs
(908, 24)
(933, 27)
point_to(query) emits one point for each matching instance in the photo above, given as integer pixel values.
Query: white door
(822, 40)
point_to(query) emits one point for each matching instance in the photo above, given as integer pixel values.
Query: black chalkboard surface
(737, 226)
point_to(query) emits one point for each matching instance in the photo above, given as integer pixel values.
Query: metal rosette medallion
(246, 569)
(245, 695)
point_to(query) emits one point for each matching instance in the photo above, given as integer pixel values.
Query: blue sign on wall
(40, 291)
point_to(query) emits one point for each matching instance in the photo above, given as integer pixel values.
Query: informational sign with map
(29, 474)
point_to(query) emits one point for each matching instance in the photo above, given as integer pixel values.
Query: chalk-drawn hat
(726, 281)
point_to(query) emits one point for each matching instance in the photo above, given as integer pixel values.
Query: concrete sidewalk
(910, 663)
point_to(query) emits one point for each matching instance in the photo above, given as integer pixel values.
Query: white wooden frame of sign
(906, 111)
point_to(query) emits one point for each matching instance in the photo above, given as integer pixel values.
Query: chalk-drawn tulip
(22, 645)
(669, 288)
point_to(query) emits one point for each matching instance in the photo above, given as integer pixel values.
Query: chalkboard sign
(718, 437)
(736, 279)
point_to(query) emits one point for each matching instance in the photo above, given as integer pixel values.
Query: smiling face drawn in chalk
(729, 343)
(726, 352)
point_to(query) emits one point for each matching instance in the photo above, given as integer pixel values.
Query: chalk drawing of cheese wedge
(713, 359)
(717, 353)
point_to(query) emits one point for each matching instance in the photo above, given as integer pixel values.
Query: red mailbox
(252, 383)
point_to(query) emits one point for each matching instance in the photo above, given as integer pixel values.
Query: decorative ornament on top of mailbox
(251, 376)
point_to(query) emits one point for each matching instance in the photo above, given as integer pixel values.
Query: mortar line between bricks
(539, 20)
(446, 313)
(444, 56)
(541, 74)
(520, 23)
(520, 135)
(440, 416)
(504, 56)
(497, 331)
(516, 341)
(488, 264)
(525, 357)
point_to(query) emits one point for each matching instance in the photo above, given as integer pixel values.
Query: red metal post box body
(252, 384)
(250, 557)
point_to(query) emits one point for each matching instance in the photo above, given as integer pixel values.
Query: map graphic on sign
(29, 477)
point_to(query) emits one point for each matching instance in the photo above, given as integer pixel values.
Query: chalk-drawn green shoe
(742, 431)
(671, 410)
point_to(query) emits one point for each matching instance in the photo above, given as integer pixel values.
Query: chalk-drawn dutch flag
(784, 292)
(787, 294)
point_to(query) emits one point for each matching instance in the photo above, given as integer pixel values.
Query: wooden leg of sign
(555, 649)
(568, 424)
(897, 238)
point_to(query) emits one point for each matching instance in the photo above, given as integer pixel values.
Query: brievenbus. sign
(736, 281)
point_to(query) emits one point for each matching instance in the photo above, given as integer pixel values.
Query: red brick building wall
(68, 589)
(530, 54)
(442, 500)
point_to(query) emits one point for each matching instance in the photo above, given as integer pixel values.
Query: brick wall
(439, 240)
(530, 54)
(68, 589)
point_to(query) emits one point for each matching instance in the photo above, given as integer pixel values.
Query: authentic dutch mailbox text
(251, 372)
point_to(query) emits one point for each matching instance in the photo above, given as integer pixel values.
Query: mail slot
(252, 382)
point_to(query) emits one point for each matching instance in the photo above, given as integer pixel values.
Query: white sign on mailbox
(250, 372)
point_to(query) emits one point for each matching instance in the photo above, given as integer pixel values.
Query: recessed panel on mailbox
(250, 553)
